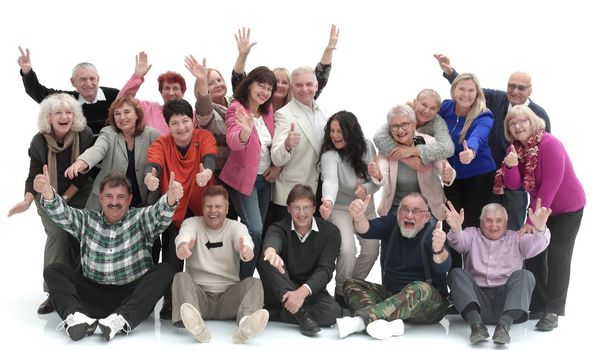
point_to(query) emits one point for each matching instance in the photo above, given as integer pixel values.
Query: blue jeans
(252, 210)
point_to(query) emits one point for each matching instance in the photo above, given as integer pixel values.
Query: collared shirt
(317, 120)
(524, 104)
(100, 97)
(491, 262)
(114, 254)
(301, 237)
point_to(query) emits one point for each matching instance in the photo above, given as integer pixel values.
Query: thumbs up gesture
(358, 207)
(184, 249)
(374, 170)
(246, 252)
(203, 176)
(467, 155)
(151, 180)
(360, 191)
(438, 237)
(42, 184)
(511, 159)
(293, 138)
(446, 172)
(175, 192)
(326, 208)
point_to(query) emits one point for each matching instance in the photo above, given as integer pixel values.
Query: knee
(350, 285)
(455, 275)
(253, 283)
(330, 315)
(523, 277)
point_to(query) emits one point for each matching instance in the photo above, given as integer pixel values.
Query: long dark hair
(260, 74)
(355, 144)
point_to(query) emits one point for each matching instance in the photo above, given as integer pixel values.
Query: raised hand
(76, 167)
(360, 191)
(274, 259)
(142, 66)
(333, 38)
(374, 169)
(467, 155)
(151, 181)
(358, 207)
(444, 63)
(245, 120)
(446, 172)
(203, 176)
(184, 249)
(272, 173)
(438, 238)
(454, 218)
(175, 191)
(246, 252)
(24, 60)
(511, 159)
(539, 216)
(526, 229)
(42, 184)
(243, 42)
(293, 138)
(199, 71)
(326, 208)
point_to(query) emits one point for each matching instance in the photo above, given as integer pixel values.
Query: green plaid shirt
(113, 254)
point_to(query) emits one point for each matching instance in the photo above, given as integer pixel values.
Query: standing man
(499, 102)
(298, 262)
(94, 99)
(119, 284)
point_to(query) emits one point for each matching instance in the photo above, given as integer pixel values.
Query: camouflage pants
(418, 302)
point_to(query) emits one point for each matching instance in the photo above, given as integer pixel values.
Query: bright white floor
(22, 240)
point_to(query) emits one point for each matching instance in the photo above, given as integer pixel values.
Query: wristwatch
(439, 251)
(65, 198)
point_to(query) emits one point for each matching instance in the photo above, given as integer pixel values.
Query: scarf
(528, 156)
(72, 140)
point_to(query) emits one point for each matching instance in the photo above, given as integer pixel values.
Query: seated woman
(63, 135)
(538, 162)
(399, 179)
(345, 155)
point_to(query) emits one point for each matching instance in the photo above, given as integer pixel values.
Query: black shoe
(46, 307)
(535, 315)
(478, 333)
(308, 326)
(340, 300)
(166, 313)
(548, 322)
(501, 335)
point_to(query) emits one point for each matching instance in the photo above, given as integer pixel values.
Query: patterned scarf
(528, 156)
(72, 139)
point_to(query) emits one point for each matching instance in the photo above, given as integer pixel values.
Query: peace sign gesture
(454, 218)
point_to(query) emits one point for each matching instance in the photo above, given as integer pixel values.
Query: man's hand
(357, 208)
(444, 63)
(175, 192)
(42, 184)
(75, 168)
(360, 191)
(454, 218)
(293, 138)
(294, 299)
(272, 173)
(438, 238)
(184, 249)
(326, 208)
(274, 259)
(151, 181)
(333, 38)
(142, 66)
(246, 252)
(539, 216)
(203, 176)
(24, 61)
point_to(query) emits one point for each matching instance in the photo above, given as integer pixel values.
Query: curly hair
(54, 102)
(171, 78)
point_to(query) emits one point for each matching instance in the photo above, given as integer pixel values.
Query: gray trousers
(492, 302)
(239, 300)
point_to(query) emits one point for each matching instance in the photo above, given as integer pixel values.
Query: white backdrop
(384, 57)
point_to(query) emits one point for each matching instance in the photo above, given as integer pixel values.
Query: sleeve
(462, 241)
(34, 89)
(533, 244)
(131, 87)
(552, 157)
(156, 156)
(512, 178)
(204, 111)
(443, 148)
(452, 75)
(274, 238)
(279, 155)
(330, 173)
(325, 267)
(233, 129)
(86, 141)
(207, 144)
(35, 164)
(156, 218)
(187, 231)
(322, 72)
(380, 228)
(383, 140)
(236, 79)
(239, 231)
(70, 219)
(370, 186)
(480, 131)
(95, 154)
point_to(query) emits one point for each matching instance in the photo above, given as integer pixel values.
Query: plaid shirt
(113, 254)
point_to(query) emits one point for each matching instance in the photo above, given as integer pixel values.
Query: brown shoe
(548, 322)
(46, 307)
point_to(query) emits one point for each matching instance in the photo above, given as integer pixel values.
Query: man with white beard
(414, 261)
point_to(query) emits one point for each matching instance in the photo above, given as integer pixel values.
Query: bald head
(519, 88)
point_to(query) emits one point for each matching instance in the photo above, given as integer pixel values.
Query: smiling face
(519, 88)
(259, 93)
(215, 209)
(171, 91)
(115, 202)
(465, 94)
(412, 215)
(402, 129)
(426, 107)
(125, 119)
(304, 87)
(216, 86)
(283, 85)
(181, 128)
(520, 128)
(301, 210)
(493, 223)
(336, 135)
(61, 121)
(86, 82)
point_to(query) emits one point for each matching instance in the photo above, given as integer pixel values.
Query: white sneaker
(113, 324)
(349, 325)
(382, 329)
(78, 326)
(194, 323)
(250, 326)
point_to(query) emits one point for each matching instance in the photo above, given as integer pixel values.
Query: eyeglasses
(403, 126)
(415, 211)
(515, 123)
(520, 88)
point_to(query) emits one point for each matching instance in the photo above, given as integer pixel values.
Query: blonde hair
(536, 122)
(478, 106)
(429, 93)
(286, 73)
(51, 104)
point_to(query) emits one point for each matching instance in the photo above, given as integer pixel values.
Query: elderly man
(211, 289)
(499, 102)
(94, 99)
(493, 288)
(298, 262)
(299, 131)
(119, 283)
(414, 263)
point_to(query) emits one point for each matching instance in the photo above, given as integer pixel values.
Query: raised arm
(323, 69)
(244, 45)
(140, 70)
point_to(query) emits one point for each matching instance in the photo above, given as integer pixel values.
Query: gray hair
(493, 207)
(402, 110)
(86, 65)
(51, 104)
(303, 70)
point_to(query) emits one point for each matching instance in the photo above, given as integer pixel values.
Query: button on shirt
(491, 262)
(114, 254)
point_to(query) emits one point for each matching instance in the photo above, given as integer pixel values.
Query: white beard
(409, 233)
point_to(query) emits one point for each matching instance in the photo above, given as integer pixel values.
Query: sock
(509, 316)
(471, 314)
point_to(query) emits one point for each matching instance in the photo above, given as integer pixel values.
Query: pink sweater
(152, 110)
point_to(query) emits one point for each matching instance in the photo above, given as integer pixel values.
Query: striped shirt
(114, 254)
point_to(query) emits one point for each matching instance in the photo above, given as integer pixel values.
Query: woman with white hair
(63, 136)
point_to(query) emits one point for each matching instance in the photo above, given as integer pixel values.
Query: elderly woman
(426, 106)
(537, 161)
(400, 179)
(345, 155)
(250, 129)
(63, 135)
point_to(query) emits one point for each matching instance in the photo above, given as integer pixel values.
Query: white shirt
(100, 97)
(265, 141)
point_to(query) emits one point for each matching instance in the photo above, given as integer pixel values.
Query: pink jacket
(152, 110)
(240, 170)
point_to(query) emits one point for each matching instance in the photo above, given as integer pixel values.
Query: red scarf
(528, 156)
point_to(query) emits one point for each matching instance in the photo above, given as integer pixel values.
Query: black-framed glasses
(403, 126)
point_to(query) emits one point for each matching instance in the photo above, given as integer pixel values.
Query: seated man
(211, 289)
(298, 261)
(119, 283)
(493, 288)
(413, 285)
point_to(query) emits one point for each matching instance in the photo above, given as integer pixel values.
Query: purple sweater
(556, 182)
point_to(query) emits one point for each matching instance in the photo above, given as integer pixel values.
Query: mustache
(114, 206)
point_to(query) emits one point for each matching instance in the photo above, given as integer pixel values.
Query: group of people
(141, 200)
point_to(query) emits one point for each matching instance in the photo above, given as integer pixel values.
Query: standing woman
(537, 161)
(345, 155)
(63, 135)
(249, 132)
(469, 124)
